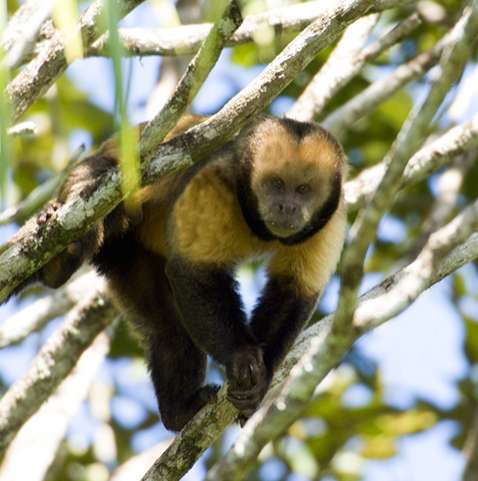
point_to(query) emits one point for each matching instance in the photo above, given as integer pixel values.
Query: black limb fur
(211, 311)
(178, 367)
(278, 319)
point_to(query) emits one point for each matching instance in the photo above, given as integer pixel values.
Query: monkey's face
(287, 202)
(292, 177)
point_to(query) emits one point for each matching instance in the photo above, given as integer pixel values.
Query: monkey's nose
(288, 208)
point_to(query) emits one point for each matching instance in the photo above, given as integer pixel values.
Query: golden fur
(208, 226)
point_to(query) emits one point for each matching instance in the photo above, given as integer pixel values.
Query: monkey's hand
(248, 379)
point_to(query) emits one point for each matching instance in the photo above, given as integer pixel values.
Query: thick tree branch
(35, 245)
(345, 62)
(53, 363)
(38, 440)
(36, 77)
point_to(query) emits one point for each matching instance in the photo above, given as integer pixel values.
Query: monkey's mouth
(283, 228)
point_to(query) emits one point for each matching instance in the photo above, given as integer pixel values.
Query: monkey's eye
(303, 189)
(277, 184)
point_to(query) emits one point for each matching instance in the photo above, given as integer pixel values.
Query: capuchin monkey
(274, 192)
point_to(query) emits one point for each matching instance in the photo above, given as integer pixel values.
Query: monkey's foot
(176, 416)
(248, 380)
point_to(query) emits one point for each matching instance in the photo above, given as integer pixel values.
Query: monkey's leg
(178, 370)
(178, 367)
(212, 314)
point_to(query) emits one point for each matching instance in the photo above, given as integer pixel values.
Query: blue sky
(419, 353)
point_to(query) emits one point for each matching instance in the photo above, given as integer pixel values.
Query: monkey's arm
(211, 312)
(279, 317)
(297, 277)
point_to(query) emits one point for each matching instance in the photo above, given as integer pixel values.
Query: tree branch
(341, 119)
(39, 438)
(411, 135)
(52, 364)
(20, 35)
(319, 349)
(36, 77)
(192, 80)
(345, 62)
(471, 452)
(186, 39)
(429, 158)
(34, 245)
(35, 316)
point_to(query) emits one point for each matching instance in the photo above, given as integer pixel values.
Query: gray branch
(38, 75)
(192, 80)
(186, 39)
(429, 158)
(52, 364)
(36, 315)
(20, 35)
(319, 349)
(40, 437)
(341, 119)
(345, 62)
(34, 245)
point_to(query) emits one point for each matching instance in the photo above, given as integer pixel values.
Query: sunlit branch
(53, 363)
(18, 39)
(187, 39)
(429, 158)
(40, 437)
(345, 62)
(412, 134)
(34, 245)
(37, 76)
(36, 315)
(193, 78)
(343, 118)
